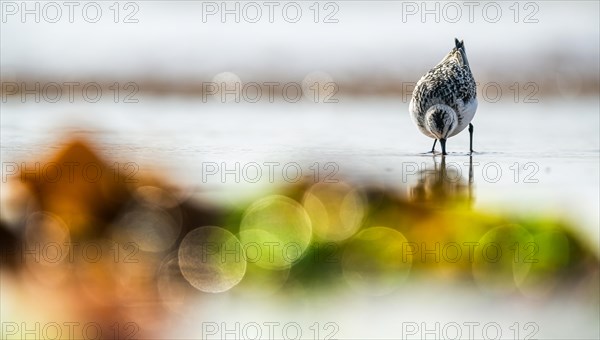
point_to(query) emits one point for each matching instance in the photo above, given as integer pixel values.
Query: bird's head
(441, 120)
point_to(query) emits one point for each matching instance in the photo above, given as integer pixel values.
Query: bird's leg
(433, 147)
(471, 137)
(443, 142)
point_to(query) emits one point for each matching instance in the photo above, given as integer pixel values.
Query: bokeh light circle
(48, 236)
(211, 259)
(228, 86)
(502, 258)
(277, 230)
(151, 229)
(336, 210)
(319, 87)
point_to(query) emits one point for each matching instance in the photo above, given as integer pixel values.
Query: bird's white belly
(467, 112)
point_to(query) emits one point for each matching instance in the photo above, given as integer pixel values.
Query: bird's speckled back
(450, 82)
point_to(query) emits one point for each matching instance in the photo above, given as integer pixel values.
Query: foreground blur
(108, 256)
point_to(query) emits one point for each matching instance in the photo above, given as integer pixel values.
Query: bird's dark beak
(443, 142)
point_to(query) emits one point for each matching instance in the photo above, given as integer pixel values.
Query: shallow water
(555, 145)
(529, 157)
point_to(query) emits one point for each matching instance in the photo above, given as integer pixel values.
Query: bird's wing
(449, 81)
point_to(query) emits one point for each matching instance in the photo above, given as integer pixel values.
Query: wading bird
(444, 100)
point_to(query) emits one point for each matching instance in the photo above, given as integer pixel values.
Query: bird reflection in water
(444, 185)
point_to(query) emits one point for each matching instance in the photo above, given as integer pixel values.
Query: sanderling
(444, 100)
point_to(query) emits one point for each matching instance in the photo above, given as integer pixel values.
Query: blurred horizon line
(322, 87)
